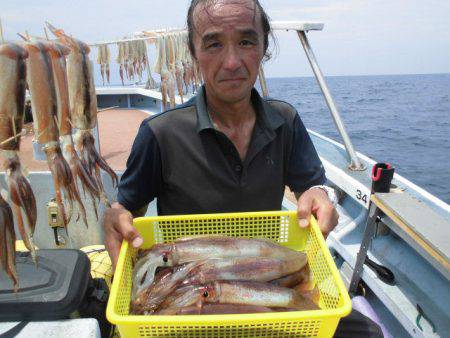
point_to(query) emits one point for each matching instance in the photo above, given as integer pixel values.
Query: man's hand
(315, 201)
(118, 225)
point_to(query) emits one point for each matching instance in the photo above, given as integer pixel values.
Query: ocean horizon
(401, 119)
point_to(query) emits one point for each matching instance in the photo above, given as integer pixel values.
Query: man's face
(229, 46)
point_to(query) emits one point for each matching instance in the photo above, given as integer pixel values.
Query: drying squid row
(178, 72)
(175, 66)
(83, 108)
(219, 274)
(62, 98)
(103, 59)
(132, 58)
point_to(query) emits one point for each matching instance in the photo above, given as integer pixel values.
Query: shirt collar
(267, 117)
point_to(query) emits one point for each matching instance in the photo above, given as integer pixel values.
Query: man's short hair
(190, 25)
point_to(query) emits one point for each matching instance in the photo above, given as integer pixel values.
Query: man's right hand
(118, 225)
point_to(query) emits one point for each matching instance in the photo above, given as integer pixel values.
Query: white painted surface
(297, 25)
(133, 90)
(86, 328)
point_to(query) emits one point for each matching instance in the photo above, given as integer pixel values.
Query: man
(226, 150)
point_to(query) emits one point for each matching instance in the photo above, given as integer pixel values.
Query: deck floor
(117, 130)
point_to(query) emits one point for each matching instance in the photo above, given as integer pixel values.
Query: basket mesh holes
(269, 330)
(272, 227)
(329, 294)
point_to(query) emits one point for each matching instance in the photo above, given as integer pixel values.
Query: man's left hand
(315, 201)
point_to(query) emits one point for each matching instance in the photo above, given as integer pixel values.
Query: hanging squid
(12, 101)
(179, 70)
(83, 105)
(150, 81)
(128, 61)
(161, 68)
(106, 61)
(120, 60)
(78, 168)
(44, 108)
(187, 64)
(170, 60)
(103, 59)
(8, 242)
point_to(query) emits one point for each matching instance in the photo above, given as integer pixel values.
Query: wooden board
(418, 221)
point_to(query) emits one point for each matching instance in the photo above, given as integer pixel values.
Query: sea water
(400, 119)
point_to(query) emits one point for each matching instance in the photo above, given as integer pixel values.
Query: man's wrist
(331, 193)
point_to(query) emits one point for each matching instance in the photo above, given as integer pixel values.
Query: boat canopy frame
(302, 28)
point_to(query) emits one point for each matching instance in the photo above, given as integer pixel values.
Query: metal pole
(355, 164)
(369, 232)
(262, 81)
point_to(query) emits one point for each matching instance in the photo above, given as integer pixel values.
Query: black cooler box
(52, 290)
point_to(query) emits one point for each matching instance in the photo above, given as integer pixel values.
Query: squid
(170, 60)
(106, 60)
(120, 60)
(161, 68)
(128, 61)
(293, 279)
(45, 110)
(8, 242)
(150, 299)
(13, 72)
(83, 105)
(78, 168)
(255, 293)
(216, 309)
(258, 269)
(179, 69)
(187, 64)
(187, 250)
(100, 62)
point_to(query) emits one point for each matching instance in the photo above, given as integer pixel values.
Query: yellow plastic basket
(281, 226)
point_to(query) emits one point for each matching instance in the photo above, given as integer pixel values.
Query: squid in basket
(13, 72)
(229, 274)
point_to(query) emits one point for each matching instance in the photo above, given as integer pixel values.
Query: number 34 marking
(360, 196)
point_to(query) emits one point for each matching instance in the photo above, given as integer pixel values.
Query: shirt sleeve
(305, 168)
(142, 178)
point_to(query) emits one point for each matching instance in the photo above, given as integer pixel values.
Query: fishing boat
(392, 248)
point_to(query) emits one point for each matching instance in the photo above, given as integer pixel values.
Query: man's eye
(247, 43)
(213, 45)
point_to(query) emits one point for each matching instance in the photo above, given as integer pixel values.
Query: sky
(360, 37)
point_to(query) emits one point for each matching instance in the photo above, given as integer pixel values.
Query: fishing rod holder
(382, 174)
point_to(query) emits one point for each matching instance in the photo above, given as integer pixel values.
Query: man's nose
(232, 60)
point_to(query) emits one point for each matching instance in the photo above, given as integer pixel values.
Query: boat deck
(117, 130)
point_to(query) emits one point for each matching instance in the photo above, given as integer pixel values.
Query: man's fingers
(327, 217)
(304, 207)
(118, 225)
(128, 231)
(113, 245)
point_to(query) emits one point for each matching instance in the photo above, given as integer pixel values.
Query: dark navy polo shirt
(179, 158)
